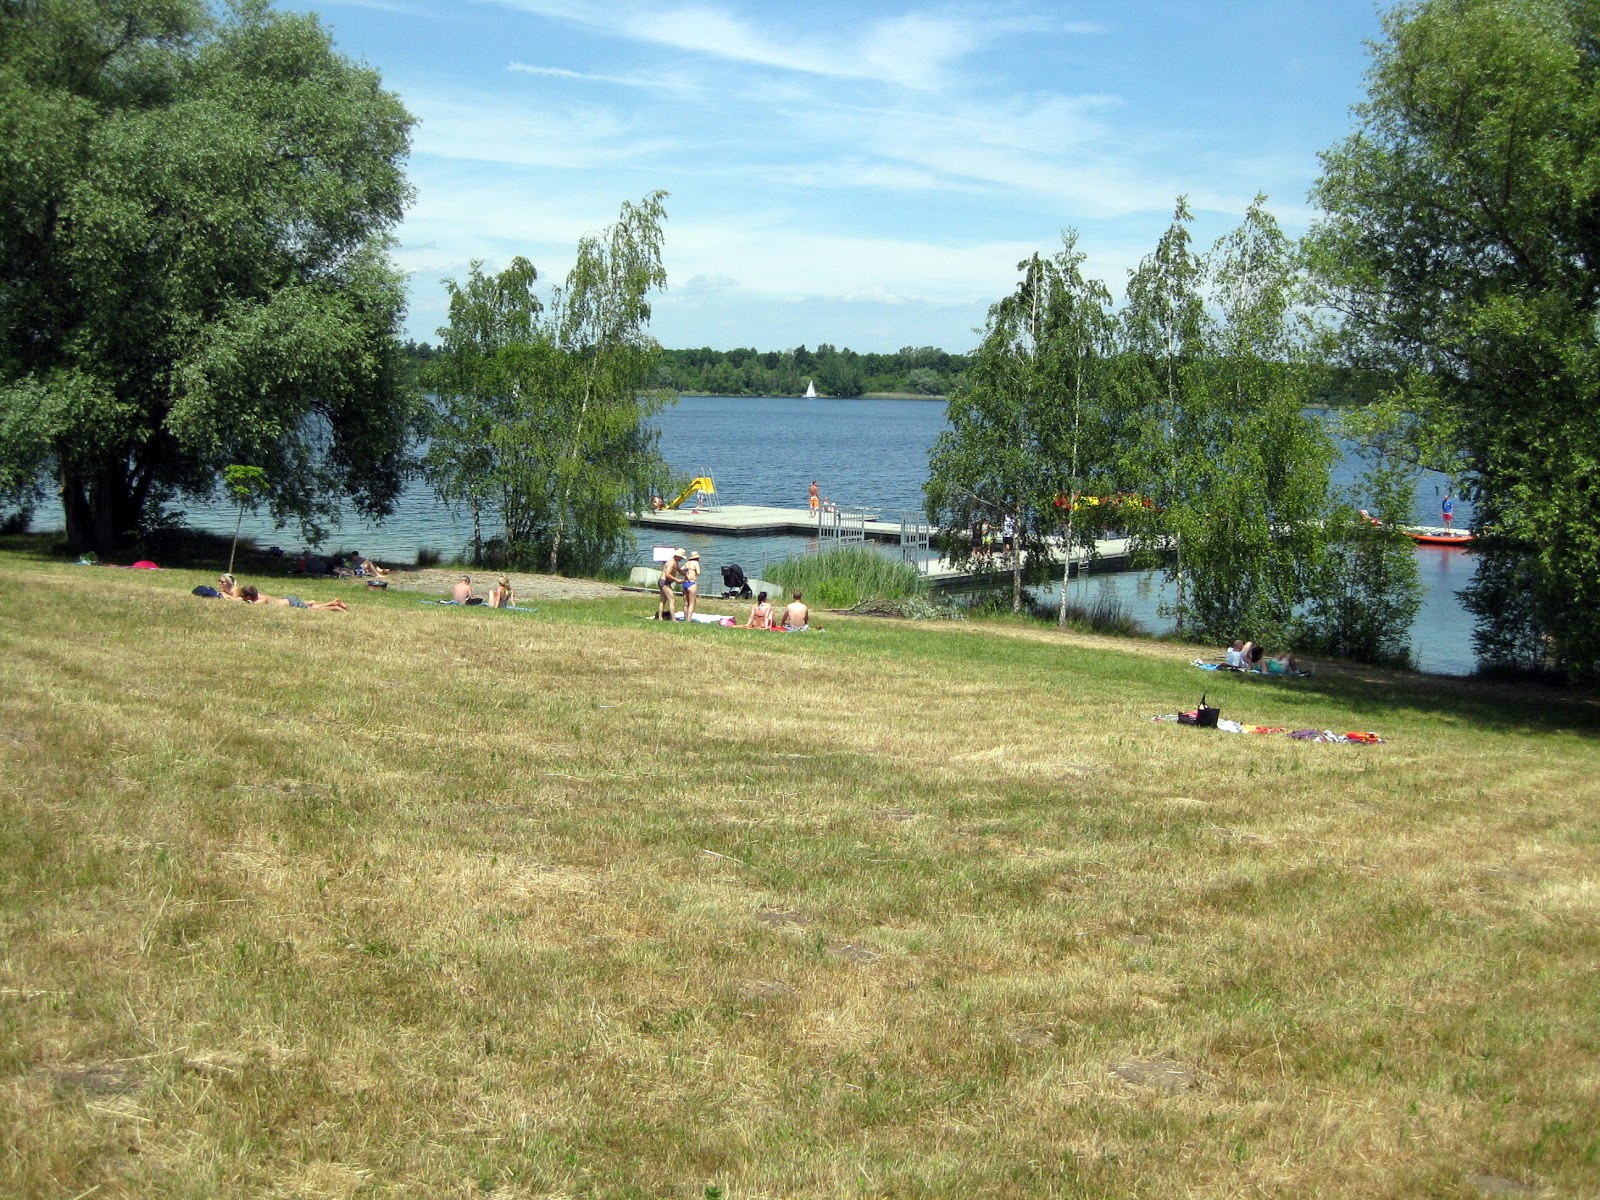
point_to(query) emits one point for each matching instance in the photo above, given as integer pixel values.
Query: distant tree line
(911, 370)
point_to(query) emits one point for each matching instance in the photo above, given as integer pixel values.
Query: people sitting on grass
(796, 615)
(501, 596)
(760, 614)
(462, 592)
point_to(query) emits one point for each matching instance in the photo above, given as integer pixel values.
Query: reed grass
(448, 902)
(844, 576)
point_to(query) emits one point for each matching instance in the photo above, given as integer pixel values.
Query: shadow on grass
(1374, 692)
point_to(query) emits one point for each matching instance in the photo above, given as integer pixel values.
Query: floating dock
(734, 520)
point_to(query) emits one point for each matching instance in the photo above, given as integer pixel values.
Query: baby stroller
(734, 584)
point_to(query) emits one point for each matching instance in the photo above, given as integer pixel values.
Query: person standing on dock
(1447, 510)
(816, 501)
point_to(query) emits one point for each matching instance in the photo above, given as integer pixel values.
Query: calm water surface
(862, 453)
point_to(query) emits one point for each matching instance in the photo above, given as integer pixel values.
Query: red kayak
(1439, 537)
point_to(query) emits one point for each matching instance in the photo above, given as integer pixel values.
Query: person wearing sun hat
(691, 583)
(671, 573)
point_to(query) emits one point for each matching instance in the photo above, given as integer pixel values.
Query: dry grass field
(431, 902)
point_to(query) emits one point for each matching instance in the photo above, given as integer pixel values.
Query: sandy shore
(438, 581)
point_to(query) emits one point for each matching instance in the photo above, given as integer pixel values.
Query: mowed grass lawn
(415, 901)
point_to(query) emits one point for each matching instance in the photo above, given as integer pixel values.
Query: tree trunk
(566, 493)
(1066, 569)
(101, 511)
(1016, 564)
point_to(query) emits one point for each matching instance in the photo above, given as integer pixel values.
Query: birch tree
(541, 419)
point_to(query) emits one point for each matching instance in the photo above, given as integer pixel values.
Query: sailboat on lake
(811, 389)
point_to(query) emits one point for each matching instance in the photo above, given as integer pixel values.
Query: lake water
(871, 454)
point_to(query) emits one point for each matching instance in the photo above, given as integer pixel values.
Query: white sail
(811, 389)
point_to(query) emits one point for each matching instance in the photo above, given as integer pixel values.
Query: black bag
(1205, 715)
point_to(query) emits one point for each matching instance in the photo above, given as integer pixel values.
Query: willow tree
(194, 262)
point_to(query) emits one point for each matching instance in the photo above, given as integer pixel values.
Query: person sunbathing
(796, 614)
(501, 595)
(760, 614)
(250, 594)
(1283, 664)
(462, 592)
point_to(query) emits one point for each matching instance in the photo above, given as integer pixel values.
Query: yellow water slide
(702, 484)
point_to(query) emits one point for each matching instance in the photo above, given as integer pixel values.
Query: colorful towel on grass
(458, 604)
(1356, 737)
(1205, 666)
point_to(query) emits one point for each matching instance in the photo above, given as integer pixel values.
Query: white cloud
(679, 85)
(914, 50)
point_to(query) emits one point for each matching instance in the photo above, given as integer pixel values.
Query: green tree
(1367, 587)
(1007, 454)
(1219, 370)
(245, 485)
(601, 324)
(1079, 336)
(1162, 394)
(193, 263)
(478, 375)
(1462, 248)
(541, 417)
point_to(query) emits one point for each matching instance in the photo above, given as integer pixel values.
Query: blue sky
(861, 173)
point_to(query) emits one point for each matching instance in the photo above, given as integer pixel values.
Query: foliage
(1079, 337)
(1161, 387)
(915, 370)
(1461, 247)
(1238, 472)
(245, 485)
(1014, 448)
(1368, 587)
(193, 263)
(541, 415)
(844, 576)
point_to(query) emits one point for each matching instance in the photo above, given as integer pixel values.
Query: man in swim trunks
(815, 499)
(796, 615)
(250, 595)
(671, 573)
(691, 584)
(1447, 510)
(462, 592)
